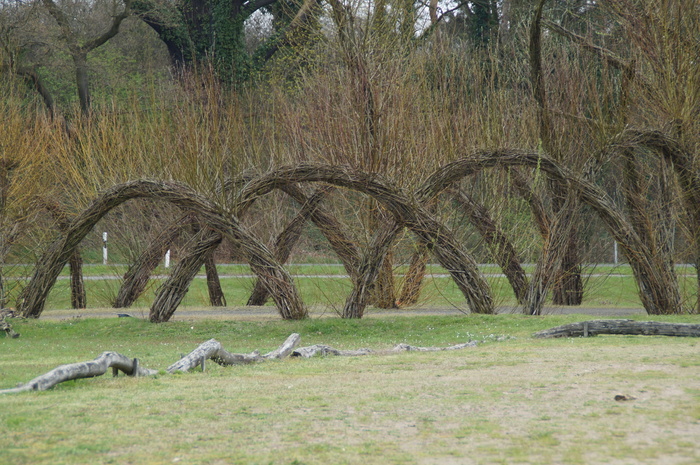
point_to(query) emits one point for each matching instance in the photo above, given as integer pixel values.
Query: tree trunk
(383, 293)
(173, 33)
(286, 241)
(413, 281)
(697, 281)
(216, 294)
(501, 248)
(78, 298)
(626, 327)
(568, 285)
(552, 254)
(659, 289)
(568, 268)
(324, 350)
(212, 349)
(31, 75)
(369, 269)
(174, 289)
(462, 267)
(82, 81)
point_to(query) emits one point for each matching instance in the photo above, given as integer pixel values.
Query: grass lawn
(326, 284)
(601, 291)
(510, 400)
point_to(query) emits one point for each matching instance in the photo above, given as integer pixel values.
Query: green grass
(331, 292)
(605, 286)
(312, 268)
(509, 400)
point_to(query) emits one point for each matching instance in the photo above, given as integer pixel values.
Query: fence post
(104, 248)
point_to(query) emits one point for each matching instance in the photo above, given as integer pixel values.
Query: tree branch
(62, 20)
(90, 369)
(612, 59)
(322, 349)
(33, 77)
(111, 32)
(538, 87)
(251, 7)
(213, 350)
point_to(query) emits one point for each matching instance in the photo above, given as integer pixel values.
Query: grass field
(326, 284)
(510, 400)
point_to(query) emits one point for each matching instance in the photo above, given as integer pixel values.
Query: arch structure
(278, 281)
(680, 158)
(408, 210)
(172, 291)
(364, 270)
(650, 274)
(78, 296)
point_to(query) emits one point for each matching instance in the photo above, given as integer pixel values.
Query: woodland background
(578, 120)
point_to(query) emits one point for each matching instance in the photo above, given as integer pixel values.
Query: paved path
(325, 276)
(269, 312)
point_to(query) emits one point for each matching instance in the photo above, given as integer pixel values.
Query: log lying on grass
(320, 349)
(623, 327)
(97, 367)
(408, 348)
(212, 349)
(209, 350)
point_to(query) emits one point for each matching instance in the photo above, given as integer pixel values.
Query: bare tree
(79, 48)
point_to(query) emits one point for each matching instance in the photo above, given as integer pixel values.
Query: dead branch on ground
(209, 350)
(320, 349)
(213, 350)
(97, 367)
(624, 327)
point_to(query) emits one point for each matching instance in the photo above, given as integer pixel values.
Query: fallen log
(621, 327)
(209, 350)
(285, 349)
(213, 350)
(320, 349)
(409, 348)
(97, 367)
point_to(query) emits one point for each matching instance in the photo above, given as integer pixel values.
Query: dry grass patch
(511, 401)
